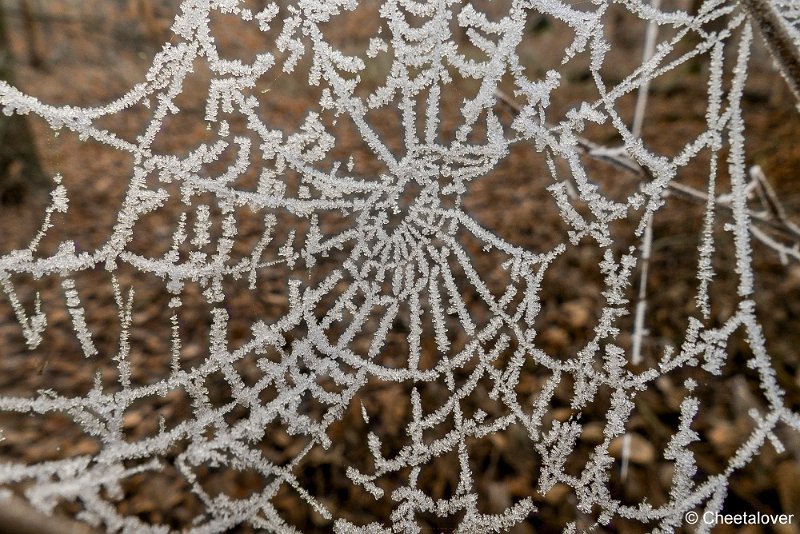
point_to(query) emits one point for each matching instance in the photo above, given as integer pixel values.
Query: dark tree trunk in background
(20, 172)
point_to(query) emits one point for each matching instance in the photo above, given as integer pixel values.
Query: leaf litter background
(93, 54)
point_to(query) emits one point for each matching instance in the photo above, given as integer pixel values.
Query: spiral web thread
(399, 257)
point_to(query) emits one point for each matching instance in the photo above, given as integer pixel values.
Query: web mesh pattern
(383, 275)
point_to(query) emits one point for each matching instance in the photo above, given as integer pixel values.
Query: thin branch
(618, 157)
(18, 517)
(770, 199)
(779, 38)
(785, 227)
(783, 251)
(639, 329)
(647, 239)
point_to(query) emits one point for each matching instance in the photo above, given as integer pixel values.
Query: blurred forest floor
(71, 53)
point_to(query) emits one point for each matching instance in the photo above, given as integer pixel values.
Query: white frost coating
(405, 262)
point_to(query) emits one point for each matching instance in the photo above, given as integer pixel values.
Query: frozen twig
(639, 329)
(17, 517)
(774, 217)
(780, 38)
(770, 200)
(647, 240)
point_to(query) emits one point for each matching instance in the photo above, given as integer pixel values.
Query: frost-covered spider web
(385, 277)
